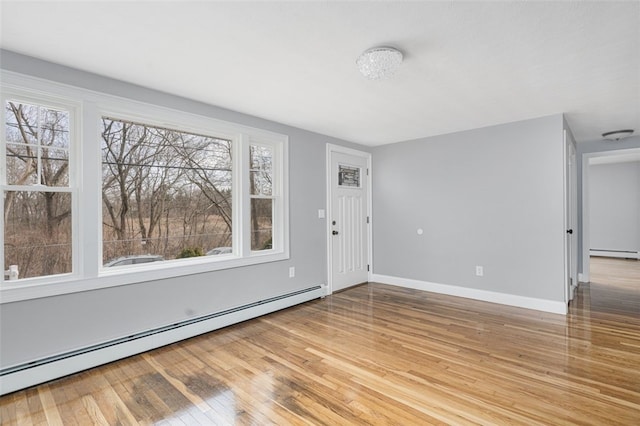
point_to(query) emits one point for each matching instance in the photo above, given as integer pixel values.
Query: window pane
(37, 233)
(37, 145)
(166, 193)
(348, 176)
(22, 123)
(261, 157)
(261, 224)
(261, 183)
(55, 167)
(261, 169)
(55, 128)
(22, 163)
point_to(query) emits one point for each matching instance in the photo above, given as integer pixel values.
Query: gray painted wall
(490, 197)
(595, 146)
(614, 203)
(42, 327)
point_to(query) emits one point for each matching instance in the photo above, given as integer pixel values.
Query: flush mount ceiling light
(616, 135)
(379, 62)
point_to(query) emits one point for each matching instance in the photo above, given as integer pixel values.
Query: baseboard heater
(45, 369)
(615, 253)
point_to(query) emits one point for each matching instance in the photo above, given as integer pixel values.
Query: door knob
(569, 231)
(335, 232)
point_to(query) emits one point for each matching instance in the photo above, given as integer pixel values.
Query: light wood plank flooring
(377, 354)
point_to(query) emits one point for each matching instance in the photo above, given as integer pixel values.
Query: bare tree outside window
(261, 193)
(201, 187)
(37, 199)
(164, 192)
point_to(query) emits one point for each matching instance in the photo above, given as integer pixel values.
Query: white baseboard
(471, 293)
(618, 254)
(63, 366)
(583, 278)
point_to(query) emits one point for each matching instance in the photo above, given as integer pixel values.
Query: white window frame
(40, 100)
(276, 196)
(89, 108)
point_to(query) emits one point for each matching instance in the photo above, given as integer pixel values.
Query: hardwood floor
(377, 354)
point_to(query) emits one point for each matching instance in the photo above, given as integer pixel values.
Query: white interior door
(348, 217)
(571, 247)
(573, 158)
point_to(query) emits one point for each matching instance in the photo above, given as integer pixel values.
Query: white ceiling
(467, 64)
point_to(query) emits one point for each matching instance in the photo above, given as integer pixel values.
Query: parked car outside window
(219, 250)
(133, 260)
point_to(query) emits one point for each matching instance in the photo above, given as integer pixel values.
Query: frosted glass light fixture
(616, 135)
(379, 62)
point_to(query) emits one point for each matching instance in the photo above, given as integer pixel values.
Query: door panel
(349, 249)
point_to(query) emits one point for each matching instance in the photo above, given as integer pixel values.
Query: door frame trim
(585, 275)
(331, 148)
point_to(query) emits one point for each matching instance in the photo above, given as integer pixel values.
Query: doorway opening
(610, 209)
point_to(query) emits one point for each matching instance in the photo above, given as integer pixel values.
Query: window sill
(54, 286)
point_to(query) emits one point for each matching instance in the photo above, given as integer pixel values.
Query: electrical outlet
(479, 271)
(292, 272)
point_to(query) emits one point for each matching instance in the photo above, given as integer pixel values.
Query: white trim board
(554, 307)
(615, 253)
(65, 365)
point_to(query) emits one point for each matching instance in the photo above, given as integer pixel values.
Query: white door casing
(347, 221)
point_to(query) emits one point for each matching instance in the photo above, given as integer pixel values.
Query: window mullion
(90, 188)
(243, 196)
